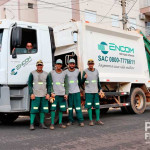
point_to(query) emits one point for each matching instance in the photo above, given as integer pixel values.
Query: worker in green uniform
(74, 99)
(59, 91)
(39, 90)
(92, 90)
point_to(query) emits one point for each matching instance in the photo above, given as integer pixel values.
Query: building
(145, 13)
(25, 10)
(55, 12)
(108, 13)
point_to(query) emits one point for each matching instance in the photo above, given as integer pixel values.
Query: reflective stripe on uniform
(58, 83)
(69, 108)
(71, 81)
(62, 106)
(96, 103)
(35, 107)
(89, 103)
(93, 81)
(53, 105)
(40, 83)
(86, 81)
(45, 107)
(78, 108)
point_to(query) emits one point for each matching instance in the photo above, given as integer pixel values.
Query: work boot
(62, 126)
(32, 127)
(91, 123)
(69, 123)
(52, 127)
(99, 122)
(81, 124)
(42, 126)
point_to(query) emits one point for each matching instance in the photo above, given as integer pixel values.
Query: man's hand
(13, 50)
(101, 94)
(47, 96)
(32, 96)
(85, 76)
(53, 95)
(65, 97)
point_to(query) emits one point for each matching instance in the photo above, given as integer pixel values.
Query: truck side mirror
(16, 39)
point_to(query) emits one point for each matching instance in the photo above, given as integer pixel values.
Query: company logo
(103, 47)
(13, 72)
(22, 64)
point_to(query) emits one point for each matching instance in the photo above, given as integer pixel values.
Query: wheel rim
(138, 101)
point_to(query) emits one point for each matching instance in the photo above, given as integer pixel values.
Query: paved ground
(120, 132)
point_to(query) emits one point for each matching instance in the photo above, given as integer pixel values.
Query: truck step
(16, 96)
(114, 105)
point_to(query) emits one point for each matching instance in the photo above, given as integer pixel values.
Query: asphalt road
(120, 132)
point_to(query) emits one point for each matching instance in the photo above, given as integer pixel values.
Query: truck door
(26, 56)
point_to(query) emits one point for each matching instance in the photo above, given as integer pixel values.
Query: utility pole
(124, 15)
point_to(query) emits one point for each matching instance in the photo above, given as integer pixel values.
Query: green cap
(72, 61)
(58, 61)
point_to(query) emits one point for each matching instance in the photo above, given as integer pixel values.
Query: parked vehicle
(122, 58)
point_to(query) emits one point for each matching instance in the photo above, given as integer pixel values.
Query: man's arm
(30, 84)
(79, 79)
(83, 78)
(66, 85)
(99, 85)
(51, 83)
(98, 82)
(48, 81)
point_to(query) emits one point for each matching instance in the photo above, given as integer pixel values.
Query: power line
(53, 6)
(76, 9)
(132, 7)
(25, 4)
(108, 11)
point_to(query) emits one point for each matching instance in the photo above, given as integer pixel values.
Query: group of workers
(62, 87)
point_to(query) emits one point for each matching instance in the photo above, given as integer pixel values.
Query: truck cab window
(1, 36)
(29, 43)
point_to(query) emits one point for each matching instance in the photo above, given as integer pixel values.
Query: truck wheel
(137, 101)
(8, 118)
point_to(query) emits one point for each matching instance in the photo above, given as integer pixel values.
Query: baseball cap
(58, 61)
(39, 62)
(90, 61)
(72, 61)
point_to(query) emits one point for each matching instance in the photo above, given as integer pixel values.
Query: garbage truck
(121, 57)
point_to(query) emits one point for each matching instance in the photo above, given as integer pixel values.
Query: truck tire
(137, 101)
(8, 118)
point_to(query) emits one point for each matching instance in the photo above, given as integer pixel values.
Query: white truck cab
(15, 68)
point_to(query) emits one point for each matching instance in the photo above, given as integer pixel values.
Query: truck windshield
(1, 36)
